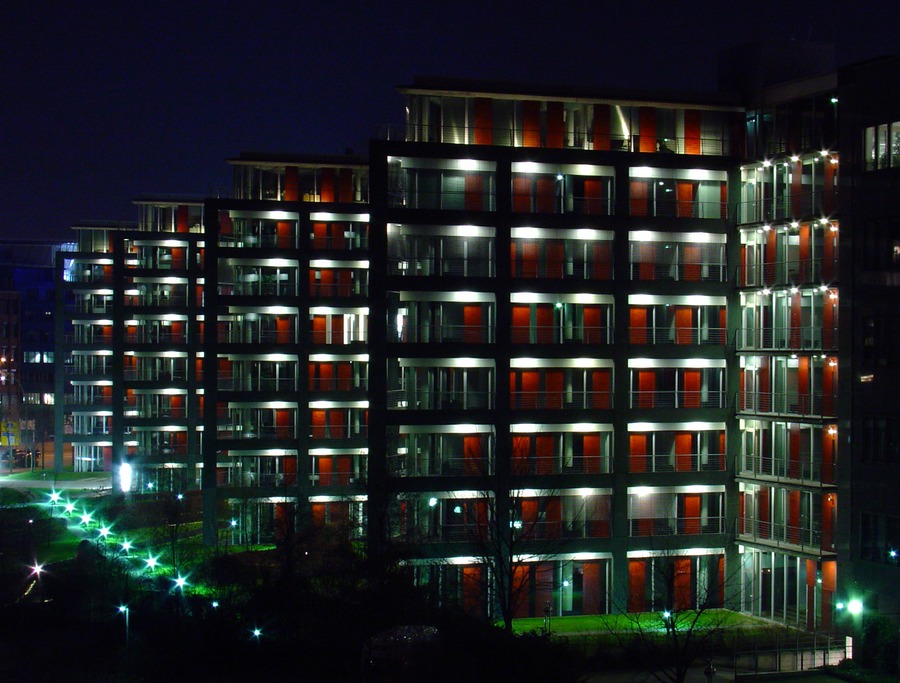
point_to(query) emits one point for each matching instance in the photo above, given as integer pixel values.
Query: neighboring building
(27, 268)
(596, 331)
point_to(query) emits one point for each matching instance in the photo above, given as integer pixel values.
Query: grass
(606, 623)
(38, 475)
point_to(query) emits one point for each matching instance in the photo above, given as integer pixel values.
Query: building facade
(561, 351)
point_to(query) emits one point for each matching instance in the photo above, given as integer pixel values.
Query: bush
(880, 645)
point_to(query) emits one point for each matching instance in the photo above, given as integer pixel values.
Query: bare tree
(674, 609)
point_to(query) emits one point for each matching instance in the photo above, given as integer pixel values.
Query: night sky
(105, 101)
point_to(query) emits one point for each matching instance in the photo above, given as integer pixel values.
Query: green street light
(180, 582)
(855, 607)
(151, 562)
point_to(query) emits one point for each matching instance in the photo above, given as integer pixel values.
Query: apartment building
(562, 351)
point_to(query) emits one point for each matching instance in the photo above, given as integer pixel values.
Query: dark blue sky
(103, 101)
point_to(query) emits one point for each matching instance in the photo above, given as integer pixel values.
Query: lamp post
(125, 611)
(709, 671)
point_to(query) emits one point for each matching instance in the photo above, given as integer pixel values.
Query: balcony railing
(676, 526)
(563, 270)
(510, 136)
(677, 335)
(404, 465)
(526, 466)
(554, 334)
(227, 382)
(801, 405)
(555, 400)
(789, 272)
(253, 431)
(801, 469)
(425, 334)
(787, 338)
(251, 336)
(678, 462)
(441, 267)
(673, 208)
(340, 384)
(404, 399)
(582, 206)
(446, 200)
(339, 431)
(678, 272)
(339, 290)
(781, 535)
(677, 399)
(787, 206)
(337, 337)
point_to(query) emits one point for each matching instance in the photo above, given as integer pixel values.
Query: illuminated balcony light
(795, 158)
(767, 163)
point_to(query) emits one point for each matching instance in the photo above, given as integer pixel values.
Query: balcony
(801, 470)
(677, 335)
(677, 399)
(789, 272)
(782, 536)
(555, 400)
(787, 206)
(786, 338)
(513, 136)
(407, 465)
(536, 465)
(676, 526)
(235, 382)
(441, 267)
(711, 271)
(677, 462)
(427, 399)
(554, 334)
(438, 333)
(788, 404)
(528, 202)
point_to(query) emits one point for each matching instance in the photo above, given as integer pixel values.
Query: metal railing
(786, 206)
(441, 267)
(677, 335)
(678, 272)
(404, 465)
(554, 334)
(564, 270)
(802, 469)
(677, 462)
(676, 526)
(511, 136)
(446, 200)
(780, 534)
(530, 465)
(788, 338)
(788, 272)
(673, 208)
(568, 204)
(336, 289)
(338, 384)
(678, 399)
(424, 334)
(338, 337)
(251, 336)
(226, 382)
(818, 405)
(413, 399)
(560, 400)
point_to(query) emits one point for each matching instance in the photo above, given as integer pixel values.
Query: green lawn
(37, 475)
(606, 623)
